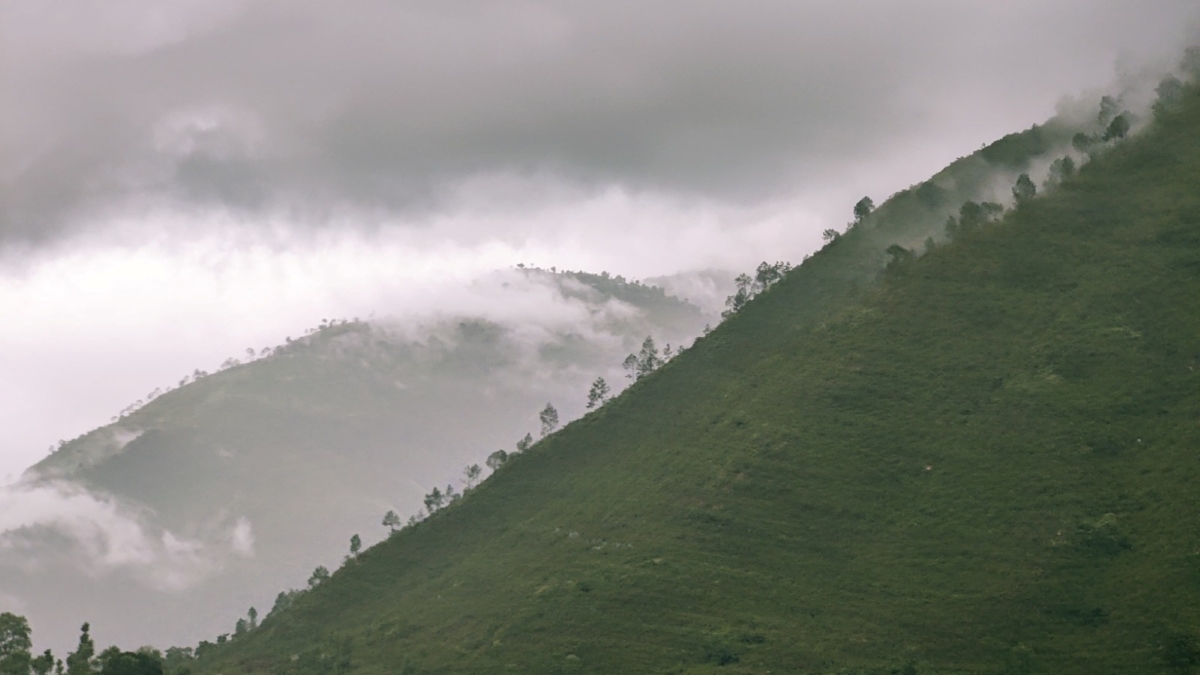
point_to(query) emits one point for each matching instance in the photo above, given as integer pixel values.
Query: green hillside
(316, 440)
(985, 463)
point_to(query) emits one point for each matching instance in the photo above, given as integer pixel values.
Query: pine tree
(549, 418)
(80, 662)
(598, 393)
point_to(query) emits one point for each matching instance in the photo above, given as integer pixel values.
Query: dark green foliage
(79, 662)
(1015, 150)
(1118, 128)
(496, 459)
(920, 470)
(392, 521)
(1024, 189)
(319, 576)
(15, 644)
(525, 443)
(42, 664)
(863, 208)
(598, 393)
(1181, 652)
(113, 661)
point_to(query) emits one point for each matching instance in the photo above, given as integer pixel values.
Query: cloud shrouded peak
(385, 107)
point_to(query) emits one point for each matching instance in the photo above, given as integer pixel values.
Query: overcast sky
(180, 180)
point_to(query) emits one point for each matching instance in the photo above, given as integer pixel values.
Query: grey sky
(316, 109)
(181, 179)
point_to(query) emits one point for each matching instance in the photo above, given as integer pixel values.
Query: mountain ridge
(961, 468)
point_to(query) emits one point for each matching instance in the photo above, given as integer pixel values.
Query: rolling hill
(204, 496)
(985, 461)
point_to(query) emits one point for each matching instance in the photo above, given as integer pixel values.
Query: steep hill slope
(984, 463)
(216, 478)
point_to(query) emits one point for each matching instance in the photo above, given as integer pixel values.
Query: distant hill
(980, 458)
(244, 480)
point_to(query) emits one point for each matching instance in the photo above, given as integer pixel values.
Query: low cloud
(57, 522)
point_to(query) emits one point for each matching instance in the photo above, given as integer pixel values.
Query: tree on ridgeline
(15, 644)
(253, 614)
(863, 208)
(434, 500)
(319, 576)
(630, 366)
(745, 291)
(392, 521)
(496, 459)
(648, 359)
(597, 394)
(525, 443)
(80, 661)
(549, 419)
(471, 474)
(355, 545)
(113, 661)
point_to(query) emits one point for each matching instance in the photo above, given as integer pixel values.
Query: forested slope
(985, 462)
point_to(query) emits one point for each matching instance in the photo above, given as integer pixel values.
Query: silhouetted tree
(282, 601)
(648, 359)
(831, 235)
(863, 208)
(496, 459)
(1118, 128)
(525, 443)
(15, 644)
(1024, 188)
(434, 500)
(116, 662)
(598, 393)
(253, 614)
(79, 662)
(240, 628)
(319, 576)
(42, 665)
(391, 521)
(355, 545)
(630, 365)
(743, 295)
(471, 474)
(549, 419)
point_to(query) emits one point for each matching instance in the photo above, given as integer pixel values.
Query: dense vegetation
(985, 462)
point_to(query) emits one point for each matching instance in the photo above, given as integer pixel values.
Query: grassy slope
(922, 474)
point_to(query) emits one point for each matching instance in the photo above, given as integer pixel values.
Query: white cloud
(62, 522)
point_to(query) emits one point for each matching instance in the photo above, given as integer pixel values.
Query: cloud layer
(377, 108)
